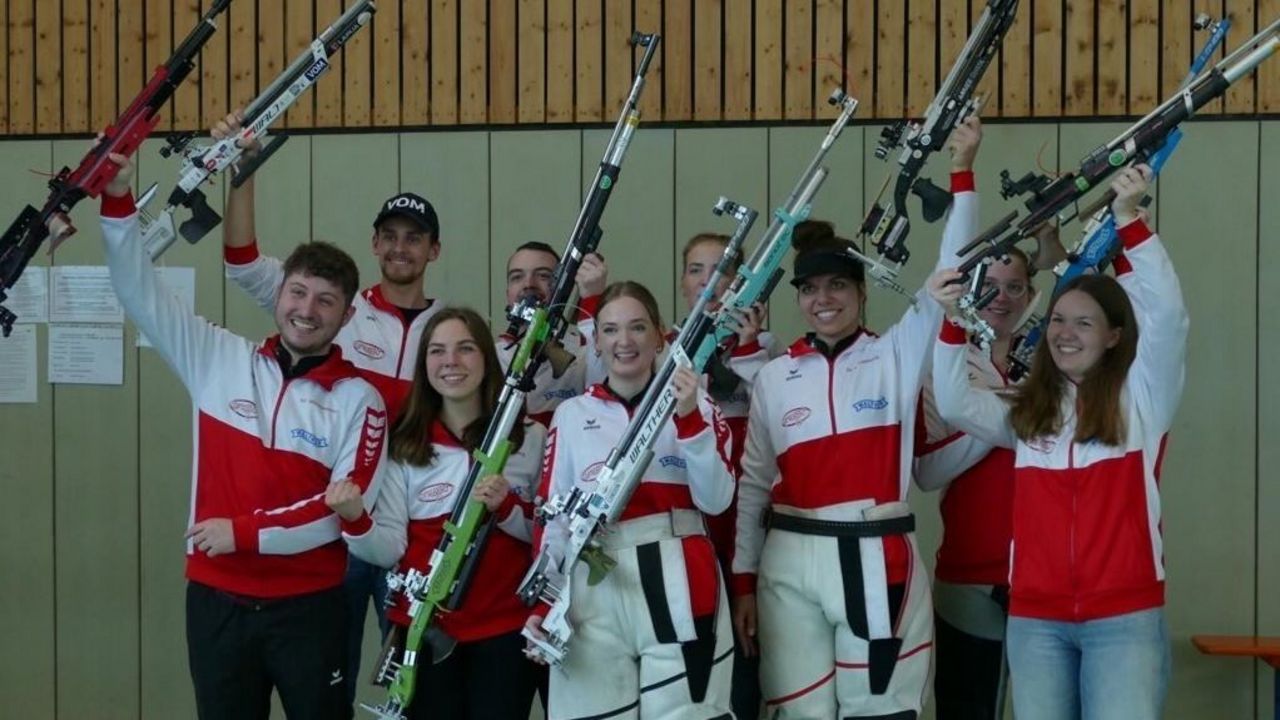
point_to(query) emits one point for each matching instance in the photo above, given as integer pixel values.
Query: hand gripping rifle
(452, 564)
(1137, 144)
(202, 162)
(887, 227)
(1099, 242)
(24, 236)
(550, 578)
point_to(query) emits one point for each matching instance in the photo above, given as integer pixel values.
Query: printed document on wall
(83, 294)
(86, 354)
(29, 297)
(18, 365)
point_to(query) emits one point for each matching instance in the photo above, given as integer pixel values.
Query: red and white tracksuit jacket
(407, 525)
(1086, 525)
(265, 446)
(377, 340)
(976, 480)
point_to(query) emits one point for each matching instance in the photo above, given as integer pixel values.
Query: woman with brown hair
(454, 393)
(1086, 634)
(651, 639)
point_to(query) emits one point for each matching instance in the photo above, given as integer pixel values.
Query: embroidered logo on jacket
(592, 472)
(795, 416)
(309, 437)
(562, 393)
(244, 408)
(436, 491)
(793, 374)
(369, 350)
(871, 404)
(591, 424)
(1042, 444)
(672, 461)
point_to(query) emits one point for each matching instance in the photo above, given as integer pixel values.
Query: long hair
(1037, 403)
(411, 434)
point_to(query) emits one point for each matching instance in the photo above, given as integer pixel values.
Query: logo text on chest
(309, 437)
(879, 403)
(369, 350)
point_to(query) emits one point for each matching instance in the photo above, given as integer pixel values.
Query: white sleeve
(522, 472)
(383, 541)
(704, 440)
(258, 275)
(942, 452)
(759, 472)
(978, 412)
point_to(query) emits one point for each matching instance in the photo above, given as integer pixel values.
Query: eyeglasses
(1014, 289)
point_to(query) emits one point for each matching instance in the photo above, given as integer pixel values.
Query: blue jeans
(362, 582)
(1116, 667)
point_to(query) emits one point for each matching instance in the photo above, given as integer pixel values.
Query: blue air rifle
(32, 227)
(202, 162)
(452, 564)
(701, 336)
(1059, 198)
(1098, 244)
(887, 227)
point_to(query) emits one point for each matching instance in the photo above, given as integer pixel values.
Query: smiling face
(831, 305)
(455, 362)
(1006, 310)
(1078, 334)
(403, 249)
(309, 313)
(627, 338)
(530, 272)
(699, 263)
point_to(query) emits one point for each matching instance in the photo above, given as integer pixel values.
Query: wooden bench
(1266, 649)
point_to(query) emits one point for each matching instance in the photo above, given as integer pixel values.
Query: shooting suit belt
(866, 585)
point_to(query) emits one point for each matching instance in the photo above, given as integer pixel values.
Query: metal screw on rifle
(837, 96)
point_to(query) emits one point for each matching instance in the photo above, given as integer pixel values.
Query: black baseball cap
(414, 207)
(826, 261)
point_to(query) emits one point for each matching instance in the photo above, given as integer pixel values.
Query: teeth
(827, 314)
(303, 324)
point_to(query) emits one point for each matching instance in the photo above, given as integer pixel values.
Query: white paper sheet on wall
(86, 354)
(29, 297)
(82, 294)
(18, 365)
(181, 281)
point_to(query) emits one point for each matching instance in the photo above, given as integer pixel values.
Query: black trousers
(968, 667)
(241, 648)
(487, 679)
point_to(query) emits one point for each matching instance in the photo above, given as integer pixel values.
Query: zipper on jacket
(831, 392)
(404, 341)
(1075, 501)
(275, 414)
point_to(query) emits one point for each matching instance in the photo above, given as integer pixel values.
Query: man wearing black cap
(381, 339)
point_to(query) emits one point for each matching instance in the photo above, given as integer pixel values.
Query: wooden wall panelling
(357, 76)
(391, 47)
(75, 65)
(798, 51)
(531, 103)
(648, 15)
(1176, 49)
(131, 74)
(27, 623)
(828, 53)
(1213, 8)
(922, 72)
(560, 67)
(707, 29)
(1269, 74)
(709, 163)
(1111, 46)
(1014, 67)
(4, 77)
(102, 67)
(1218, 412)
(891, 36)
(461, 198)
(589, 62)
(215, 78)
(990, 85)
(1144, 56)
(159, 45)
(535, 183)
(444, 62)
(618, 53)
(415, 58)
(242, 27)
(768, 60)
(502, 66)
(472, 72)
(330, 90)
(1078, 72)
(953, 32)
(839, 201)
(738, 52)
(640, 214)
(1242, 96)
(1046, 48)
(677, 96)
(95, 490)
(186, 101)
(49, 76)
(299, 27)
(164, 469)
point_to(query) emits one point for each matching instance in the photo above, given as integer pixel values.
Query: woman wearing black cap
(826, 567)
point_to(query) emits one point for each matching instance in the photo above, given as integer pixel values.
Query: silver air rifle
(202, 162)
(702, 335)
(452, 564)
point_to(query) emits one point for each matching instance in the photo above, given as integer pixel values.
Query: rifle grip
(246, 171)
(934, 201)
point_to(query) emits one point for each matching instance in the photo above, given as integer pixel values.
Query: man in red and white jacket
(276, 422)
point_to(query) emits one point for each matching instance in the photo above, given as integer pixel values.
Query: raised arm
(257, 275)
(942, 453)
